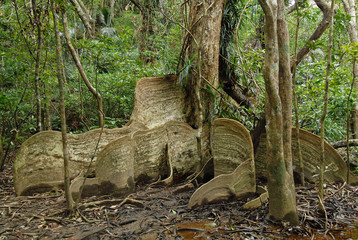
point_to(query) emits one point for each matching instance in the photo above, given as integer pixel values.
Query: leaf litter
(161, 212)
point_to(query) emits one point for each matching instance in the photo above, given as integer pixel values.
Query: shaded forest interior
(178, 112)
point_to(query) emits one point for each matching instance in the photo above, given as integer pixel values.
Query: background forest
(128, 40)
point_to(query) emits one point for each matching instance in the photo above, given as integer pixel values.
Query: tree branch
(85, 17)
(77, 61)
(321, 28)
(293, 7)
(136, 3)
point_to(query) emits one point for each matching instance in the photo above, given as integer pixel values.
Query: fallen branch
(343, 143)
(98, 203)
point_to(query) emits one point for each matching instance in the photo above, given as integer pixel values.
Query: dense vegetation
(120, 54)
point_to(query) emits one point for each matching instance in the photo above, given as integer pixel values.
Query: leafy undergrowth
(162, 213)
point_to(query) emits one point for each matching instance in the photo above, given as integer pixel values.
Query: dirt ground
(162, 213)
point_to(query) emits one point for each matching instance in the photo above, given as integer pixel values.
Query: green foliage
(242, 58)
(113, 65)
(311, 73)
(310, 82)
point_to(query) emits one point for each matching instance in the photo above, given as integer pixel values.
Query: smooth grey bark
(145, 44)
(349, 6)
(282, 201)
(111, 10)
(48, 116)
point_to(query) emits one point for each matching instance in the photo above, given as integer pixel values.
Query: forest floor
(162, 213)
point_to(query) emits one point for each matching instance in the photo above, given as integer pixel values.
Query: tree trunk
(301, 170)
(282, 201)
(37, 12)
(201, 43)
(285, 86)
(69, 201)
(324, 113)
(48, 116)
(77, 61)
(145, 44)
(111, 19)
(2, 154)
(202, 46)
(349, 6)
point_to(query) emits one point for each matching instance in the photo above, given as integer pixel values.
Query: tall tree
(201, 58)
(2, 154)
(325, 107)
(350, 8)
(111, 11)
(146, 9)
(277, 75)
(301, 170)
(66, 156)
(37, 19)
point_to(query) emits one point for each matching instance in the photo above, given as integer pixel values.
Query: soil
(161, 212)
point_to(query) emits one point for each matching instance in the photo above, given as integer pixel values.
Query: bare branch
(321, 28)
(85, 17)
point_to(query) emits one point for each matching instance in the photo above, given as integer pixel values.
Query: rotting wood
(257, 202)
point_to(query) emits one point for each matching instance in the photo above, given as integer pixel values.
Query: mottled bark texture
(231, 145)
(238, 184)
(201, 47)
(301, 178)
(234, 166)
(282, 201)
